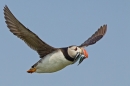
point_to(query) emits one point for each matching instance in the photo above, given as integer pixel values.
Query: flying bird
(51, 59)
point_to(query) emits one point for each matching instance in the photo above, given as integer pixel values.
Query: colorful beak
(85, 53)
(84, 56)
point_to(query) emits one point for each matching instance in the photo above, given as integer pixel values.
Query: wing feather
(30, 38)
(95, 37)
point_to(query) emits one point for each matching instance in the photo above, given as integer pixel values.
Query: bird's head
(74, 50)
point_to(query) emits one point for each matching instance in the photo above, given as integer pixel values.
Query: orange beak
(85, 52)
(84, 57)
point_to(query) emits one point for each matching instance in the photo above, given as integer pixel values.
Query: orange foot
(31, 70)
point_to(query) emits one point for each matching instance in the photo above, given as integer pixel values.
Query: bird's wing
(30, 38)
(95, 37)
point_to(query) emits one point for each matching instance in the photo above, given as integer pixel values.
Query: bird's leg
(31, 70)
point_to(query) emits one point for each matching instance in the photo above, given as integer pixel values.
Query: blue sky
(63, 23)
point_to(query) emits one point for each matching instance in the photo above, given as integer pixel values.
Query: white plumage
(52, 62)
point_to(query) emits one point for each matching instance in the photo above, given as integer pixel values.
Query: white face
(72, 51)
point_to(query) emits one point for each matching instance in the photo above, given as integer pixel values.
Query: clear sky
(62, 23)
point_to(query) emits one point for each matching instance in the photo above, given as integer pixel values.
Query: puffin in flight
(51, 59)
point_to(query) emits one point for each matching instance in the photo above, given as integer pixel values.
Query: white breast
(52, 62)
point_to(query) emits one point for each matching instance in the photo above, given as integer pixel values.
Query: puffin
(51, 59)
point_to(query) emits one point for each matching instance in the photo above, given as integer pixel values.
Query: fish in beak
(83, 56)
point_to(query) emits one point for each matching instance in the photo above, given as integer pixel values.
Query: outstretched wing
(96, 36)
(30, 38)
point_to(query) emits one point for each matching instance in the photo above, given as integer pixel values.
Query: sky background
(62, 23)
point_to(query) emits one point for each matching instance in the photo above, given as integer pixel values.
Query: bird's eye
(75, 49)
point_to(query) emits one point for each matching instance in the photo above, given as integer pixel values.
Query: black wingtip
(5, 6)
